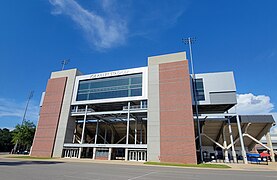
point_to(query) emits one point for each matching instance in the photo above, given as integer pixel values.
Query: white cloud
(10, 109)
(109, 23)
(103, 31)
(252, 104)
(256, 104)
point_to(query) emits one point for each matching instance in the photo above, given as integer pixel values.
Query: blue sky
(96, 36)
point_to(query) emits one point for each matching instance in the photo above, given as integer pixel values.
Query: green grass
(189, 165)
(28, 157)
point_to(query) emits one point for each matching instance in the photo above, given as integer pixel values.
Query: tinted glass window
(200, 89)
(112, 87)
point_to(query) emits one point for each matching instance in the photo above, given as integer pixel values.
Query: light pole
(190, 41)
(23, 119)
(29, 98)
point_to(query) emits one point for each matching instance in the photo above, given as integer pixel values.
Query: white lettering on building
(107, 74)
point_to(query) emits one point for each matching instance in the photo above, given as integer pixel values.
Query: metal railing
(81, 110)
(135, 107)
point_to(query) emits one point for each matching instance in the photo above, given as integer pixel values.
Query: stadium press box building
(139, 114)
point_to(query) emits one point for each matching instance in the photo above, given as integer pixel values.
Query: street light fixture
(64, 62)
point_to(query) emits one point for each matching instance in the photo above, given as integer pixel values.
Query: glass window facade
(111, 87)
(200, 90)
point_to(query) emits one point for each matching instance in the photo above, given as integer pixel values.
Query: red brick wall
(177, 141)
(49, 118)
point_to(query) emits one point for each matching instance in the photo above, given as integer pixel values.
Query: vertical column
(94, 153)
(225, 144)
(105, 138)
(127, 133)
(128, 124)
(140, 138)
(153, 112)
(135, 131)
(269, 144)
(83, 131)
(96, 132)
(243, 152)
(110, 154)
(232, 141)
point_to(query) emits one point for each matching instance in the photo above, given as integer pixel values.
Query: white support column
(110, 154)
(83, 131)
(243, 152)
(232, 141)
(269, 144)
(136, 131)
(126, 154)
(140, 137)
(127, 133)
(225, 144)
(128, 124)
(94, 153)
(96, 132)
(80, 152)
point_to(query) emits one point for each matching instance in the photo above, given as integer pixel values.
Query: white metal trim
(138, 146)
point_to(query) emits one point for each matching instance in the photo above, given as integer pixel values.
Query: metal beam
(269, 144)
(261, 134)
(84, 124)
(225, 144)
(83, 131)
(140, 137)
(257, 141)
(105, 142)
(220, 132)
(127, 133)
(232, 141)
(121, 139)
(230, 145)
(217, 114)
(128, 124)
(108, 112)
(203, 134)
(243, 152)
(136, 131)
(96, 132)
(138, 146)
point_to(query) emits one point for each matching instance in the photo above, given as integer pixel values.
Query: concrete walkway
(254, 167)
(234, 166)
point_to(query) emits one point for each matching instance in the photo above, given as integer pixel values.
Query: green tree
(23, 135)
(5, 140)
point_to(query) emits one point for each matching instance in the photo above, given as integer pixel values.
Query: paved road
(48, 170)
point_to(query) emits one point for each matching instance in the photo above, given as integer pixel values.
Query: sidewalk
(83, 160)
(234, 166)
(253, 167)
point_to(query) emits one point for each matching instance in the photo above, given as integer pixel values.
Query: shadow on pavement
(19, 163)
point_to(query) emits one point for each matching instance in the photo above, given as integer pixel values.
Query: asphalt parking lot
(12, 169)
